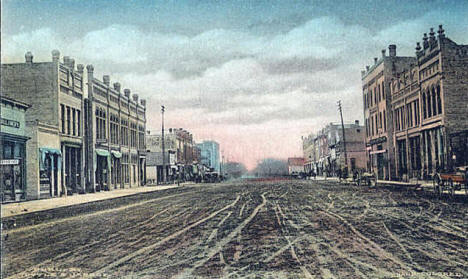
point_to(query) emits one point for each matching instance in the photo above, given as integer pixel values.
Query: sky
(253, 75)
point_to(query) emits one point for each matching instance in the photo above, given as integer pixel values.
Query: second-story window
(78, 122)
(74, 121)
(68, 121)
(62, 116)
(100, 124)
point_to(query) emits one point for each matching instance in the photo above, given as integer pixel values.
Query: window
(434, 104)
(74, 121)
(114, 129)
(424, 105)
(384, 121)
(428, 100)
(78, 117)
(124, 132)
(125, 168)
(380, 120)
(68, 120)
(439, 101)
(100, 124)
(416, 113)
(133, 134)
(383, 91)
(62, 117)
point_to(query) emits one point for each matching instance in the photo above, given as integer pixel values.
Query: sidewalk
(18, 208)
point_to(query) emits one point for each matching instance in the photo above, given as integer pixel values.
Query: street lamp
(163, 147)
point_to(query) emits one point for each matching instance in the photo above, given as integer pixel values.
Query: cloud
(237, 82)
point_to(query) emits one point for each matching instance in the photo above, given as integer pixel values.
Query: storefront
(13, 150)
(50, 162)
(116, 169)
(102, 169)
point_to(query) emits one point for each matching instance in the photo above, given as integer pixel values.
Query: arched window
(434, 104)
(424, 105)
(439, 100)
(428, 100)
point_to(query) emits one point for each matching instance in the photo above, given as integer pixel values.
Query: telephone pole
(163, 146)
(343, 130)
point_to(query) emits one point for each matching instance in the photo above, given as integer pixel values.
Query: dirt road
(272, 229)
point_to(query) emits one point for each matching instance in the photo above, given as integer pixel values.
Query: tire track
(108, 267)
(223, 242)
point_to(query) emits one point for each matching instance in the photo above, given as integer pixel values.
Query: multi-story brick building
(430, 108)
(377, 111)
(115, 135)
(324, 153)
(65, 147)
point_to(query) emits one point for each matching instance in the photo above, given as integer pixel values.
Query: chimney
(72, 64)
(441, 32)
(383, 53)
(106, 79)
(55, 55)
(375, 60)
(117, 86)
(363, 73)
(28, 57)
(367, 68)
(143, 102)
(127, 93)
(425, 43)
(356, 122)
(392, 50)
(66, 60)
(135, 98)
(80, 68)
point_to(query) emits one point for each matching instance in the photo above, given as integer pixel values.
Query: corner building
(430, 108)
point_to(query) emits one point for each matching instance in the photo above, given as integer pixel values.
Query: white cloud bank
(225, 79)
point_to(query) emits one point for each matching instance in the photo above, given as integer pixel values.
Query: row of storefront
(77, 134)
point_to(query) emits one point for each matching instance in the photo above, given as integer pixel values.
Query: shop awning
(102, 152)
(47, 150)
(378, 151)
(116, 154)
(44, 151)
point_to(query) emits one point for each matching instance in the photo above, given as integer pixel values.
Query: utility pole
(343, 130)
(163, 146)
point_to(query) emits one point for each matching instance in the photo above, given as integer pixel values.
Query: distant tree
(271, 167)
(234, 169)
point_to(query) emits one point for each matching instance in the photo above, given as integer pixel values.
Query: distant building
(209, 151)
(295, 165)
(13, 149)
(324, 152)
(179, 142)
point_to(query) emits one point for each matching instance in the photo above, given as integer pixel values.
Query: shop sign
(9, 123)
(9, 162)
(378, 140)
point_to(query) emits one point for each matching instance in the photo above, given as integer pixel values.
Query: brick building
(377, 111)
(429, 103)
(65, 148)
(115, 135)
(324, 152)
